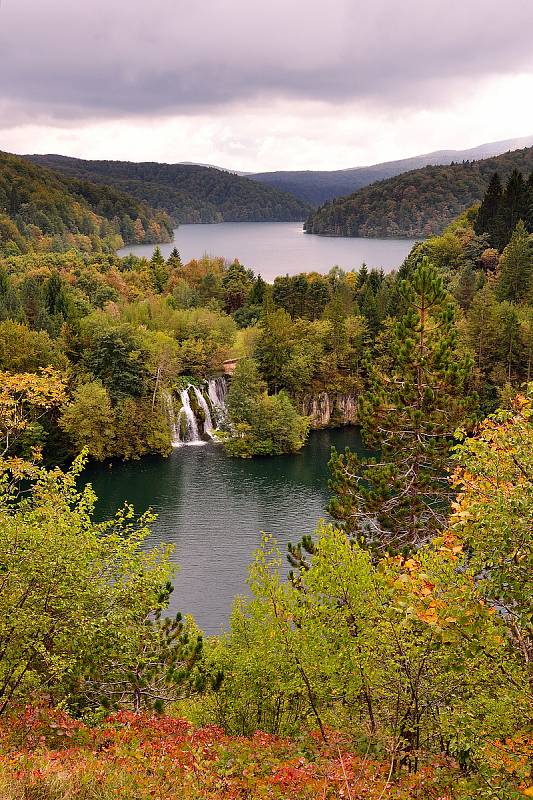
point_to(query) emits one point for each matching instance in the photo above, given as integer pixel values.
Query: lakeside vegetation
(188, 193)
(395, 660)
(419, 203)
(41, 210)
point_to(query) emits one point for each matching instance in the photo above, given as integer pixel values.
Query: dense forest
(419, 203)
(187, 192)
(394, 661)
(42, 210)
(318, 186)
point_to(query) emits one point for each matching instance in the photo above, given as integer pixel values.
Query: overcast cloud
(306, 83)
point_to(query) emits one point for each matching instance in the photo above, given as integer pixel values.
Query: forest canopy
(189, 193)
(420, 203)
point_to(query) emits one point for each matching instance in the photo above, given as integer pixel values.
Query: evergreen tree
(516, 266)
(515, 201)
(490, 215)
(174, 259)
(414, 402)
(257, 292)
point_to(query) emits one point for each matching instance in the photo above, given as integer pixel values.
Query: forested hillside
(394, 661)
(187, 192)
(43, 210)
(318, 186)
(419, 203)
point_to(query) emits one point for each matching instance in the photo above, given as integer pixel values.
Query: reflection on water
(212, 509)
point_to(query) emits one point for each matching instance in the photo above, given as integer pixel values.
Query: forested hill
(419, 203)
(43, 210)
(188, 192)
(318, 186)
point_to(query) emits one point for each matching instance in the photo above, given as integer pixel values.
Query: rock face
(330, 410)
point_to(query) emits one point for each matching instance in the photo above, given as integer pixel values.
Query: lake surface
(279, 248)
(212, 508)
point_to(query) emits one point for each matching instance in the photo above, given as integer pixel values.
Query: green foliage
(187, 192)
(516, 267)
(89, 420)
(24, 350)
(261, 424)
(502, 209)
(403, 654)
(75, 594)
(494, 511)
(42, 210)
(414, 402)
(419, 203)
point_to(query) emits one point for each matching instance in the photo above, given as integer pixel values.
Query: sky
(257, 86)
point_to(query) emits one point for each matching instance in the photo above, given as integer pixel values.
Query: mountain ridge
(187, 192)
(318, 186)
(415, 204)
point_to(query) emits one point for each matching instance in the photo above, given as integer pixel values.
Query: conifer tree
(516, 266)
(414, 402)
(490, 215)
(174, 259)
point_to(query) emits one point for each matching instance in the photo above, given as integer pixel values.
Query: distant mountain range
(187, 192)
(418, 203)
(315, 187)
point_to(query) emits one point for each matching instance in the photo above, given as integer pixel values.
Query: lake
(279, 248)
(212, 509)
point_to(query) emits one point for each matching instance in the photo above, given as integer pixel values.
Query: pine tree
(516, 266)
(414, 402)
(515, 202)
(174, 259)
(490, 217)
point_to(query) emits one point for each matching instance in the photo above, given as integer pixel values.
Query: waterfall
(208, 422)
(190, 434)
(184, 427)
(217, 389)
(171, 414)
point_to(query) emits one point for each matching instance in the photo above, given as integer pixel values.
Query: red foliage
(141, 756)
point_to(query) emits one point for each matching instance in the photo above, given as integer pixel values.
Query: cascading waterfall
(208, 422)
(217, 390)
(188, 433)
(185, 427)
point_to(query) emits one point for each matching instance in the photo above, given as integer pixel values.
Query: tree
(113, 355)
(516, 266)
(493, 514)
(403, 653)
(74, 593)
(160, 271)
(273, 345)
(245, 390)
(24, 399)
(174, 259)
(89, 421)
(236, 284)
(261, 424)
(416, 398)
(489, 218)
(24, 350)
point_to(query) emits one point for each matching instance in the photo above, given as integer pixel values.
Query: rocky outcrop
(329, 410)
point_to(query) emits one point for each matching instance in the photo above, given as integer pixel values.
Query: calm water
(212, 508)
(279, 248)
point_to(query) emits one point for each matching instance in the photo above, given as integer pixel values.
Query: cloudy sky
(255, 85)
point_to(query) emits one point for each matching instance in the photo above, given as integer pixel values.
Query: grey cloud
(68, 60)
